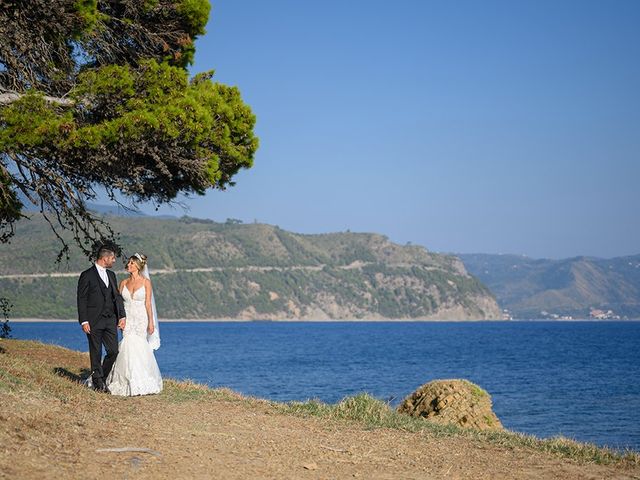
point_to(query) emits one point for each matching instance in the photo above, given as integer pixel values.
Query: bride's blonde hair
(139, 259)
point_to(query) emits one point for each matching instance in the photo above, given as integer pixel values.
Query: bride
(135, 371)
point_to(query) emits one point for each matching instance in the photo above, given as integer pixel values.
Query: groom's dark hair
(105, 252)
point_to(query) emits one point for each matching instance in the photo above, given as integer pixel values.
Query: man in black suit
(101, 313)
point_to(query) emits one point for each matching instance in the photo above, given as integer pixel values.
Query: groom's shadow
(74, 377)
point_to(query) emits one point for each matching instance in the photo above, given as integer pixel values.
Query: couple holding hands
(129, 368)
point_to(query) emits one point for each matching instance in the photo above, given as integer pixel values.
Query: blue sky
(463, 126)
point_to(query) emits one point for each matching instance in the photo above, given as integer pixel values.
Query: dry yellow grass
(52, 427)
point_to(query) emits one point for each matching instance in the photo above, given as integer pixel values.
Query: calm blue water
(577, 379)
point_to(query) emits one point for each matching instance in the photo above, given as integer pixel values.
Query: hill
(204, 269)
(53, 427)
(580, 287)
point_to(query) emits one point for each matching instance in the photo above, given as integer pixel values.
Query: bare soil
(52, 427)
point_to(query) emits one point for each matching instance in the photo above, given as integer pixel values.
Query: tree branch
(8, 98)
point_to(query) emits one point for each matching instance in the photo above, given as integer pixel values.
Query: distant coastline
(240, 320)
(351, 320)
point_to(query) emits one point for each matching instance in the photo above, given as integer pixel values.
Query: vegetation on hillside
(206, 269)
(5, 329)
(541, 288)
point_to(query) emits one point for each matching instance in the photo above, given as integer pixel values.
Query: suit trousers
(103, 332)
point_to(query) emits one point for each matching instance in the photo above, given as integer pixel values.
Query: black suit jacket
(90, 298)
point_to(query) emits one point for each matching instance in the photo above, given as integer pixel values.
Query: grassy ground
(51, 426)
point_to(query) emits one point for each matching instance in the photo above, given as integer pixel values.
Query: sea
(576, 379)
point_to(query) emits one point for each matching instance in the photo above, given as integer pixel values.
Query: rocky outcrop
(457, 402)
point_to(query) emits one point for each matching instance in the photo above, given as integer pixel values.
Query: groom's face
(109, 261)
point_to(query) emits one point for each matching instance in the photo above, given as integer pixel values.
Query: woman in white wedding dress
(135, 371)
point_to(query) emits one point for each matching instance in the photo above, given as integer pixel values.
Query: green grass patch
(476, 391)
(374, 413)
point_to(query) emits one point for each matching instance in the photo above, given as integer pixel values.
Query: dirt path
(356, 265)
(50, 427)
(171, 271)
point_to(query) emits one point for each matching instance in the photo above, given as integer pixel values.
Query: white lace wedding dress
(135, 371)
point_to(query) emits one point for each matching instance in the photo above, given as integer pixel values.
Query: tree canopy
(96, 94)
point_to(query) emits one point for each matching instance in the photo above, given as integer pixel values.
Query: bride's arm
(147, 304)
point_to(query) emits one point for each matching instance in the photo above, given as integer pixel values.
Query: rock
(310, 466)
(457, 402)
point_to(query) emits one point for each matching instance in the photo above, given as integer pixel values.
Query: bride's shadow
(74, 377)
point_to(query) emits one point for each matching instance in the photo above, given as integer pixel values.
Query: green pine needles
(96, 95)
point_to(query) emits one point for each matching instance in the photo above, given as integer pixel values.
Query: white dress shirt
(103, 274)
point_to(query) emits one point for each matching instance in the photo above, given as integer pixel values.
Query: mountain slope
(204, 269)
(576, 287)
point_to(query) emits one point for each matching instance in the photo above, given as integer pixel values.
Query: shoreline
(326, 320)
(240, 320)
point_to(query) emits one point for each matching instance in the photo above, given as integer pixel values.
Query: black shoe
(99, 386)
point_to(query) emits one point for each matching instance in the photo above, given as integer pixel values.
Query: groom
(100, 313)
